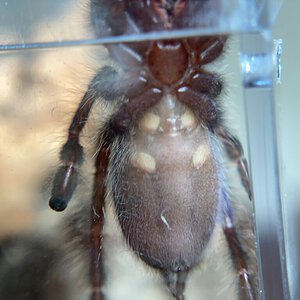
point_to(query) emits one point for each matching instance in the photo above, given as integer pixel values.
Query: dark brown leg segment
(205, 83)
(238, 254)
(207, 48)
(102, 86)
(235, 152)
(97, 220)
(71, 155)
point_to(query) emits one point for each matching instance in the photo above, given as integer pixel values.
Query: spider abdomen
(167, 193)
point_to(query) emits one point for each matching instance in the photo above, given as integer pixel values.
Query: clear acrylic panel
(40, 90)
(287, 113)
(201, 17)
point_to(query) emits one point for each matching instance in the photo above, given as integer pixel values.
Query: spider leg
(109, 85)
(71, 155)
(237, 252)
(235, 152)
(176, 283)
(207, 48)
(119, 123)
(202, 104)
(97, 220)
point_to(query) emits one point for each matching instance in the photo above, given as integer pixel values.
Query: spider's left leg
(107, 85)
(116, 126)
(71, 155)
(97, 220)
(235, 152)
(238, 254)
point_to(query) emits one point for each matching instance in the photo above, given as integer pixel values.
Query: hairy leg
(71, 154)
(235, 152)
(237, 252)
(97, 220)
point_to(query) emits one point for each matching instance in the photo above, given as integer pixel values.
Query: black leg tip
(57, 204)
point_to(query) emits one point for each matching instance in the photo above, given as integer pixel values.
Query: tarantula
(158, 147)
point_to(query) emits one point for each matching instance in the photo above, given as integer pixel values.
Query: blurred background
(40, 89)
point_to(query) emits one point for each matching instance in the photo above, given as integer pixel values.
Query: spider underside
(167, 182)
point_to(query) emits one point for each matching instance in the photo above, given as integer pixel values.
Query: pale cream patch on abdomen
(188, 120)
(201, 155)
(144, 162)
(149, 123)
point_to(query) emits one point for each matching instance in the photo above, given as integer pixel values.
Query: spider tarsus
(64, 184)
(58, 204)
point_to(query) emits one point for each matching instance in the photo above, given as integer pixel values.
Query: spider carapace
(158, 149)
